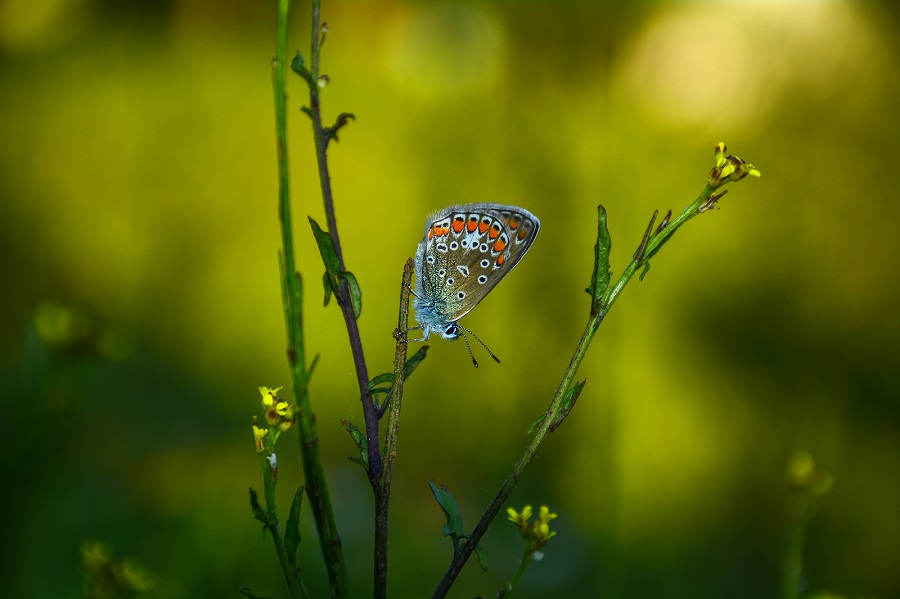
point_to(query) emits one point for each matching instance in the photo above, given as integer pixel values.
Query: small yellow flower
(537, 533)
(729, 168)
(520, 519)
(259, 436)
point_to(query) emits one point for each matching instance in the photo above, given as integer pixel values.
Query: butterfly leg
(398, 332)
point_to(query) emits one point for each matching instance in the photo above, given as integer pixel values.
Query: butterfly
(466, 250)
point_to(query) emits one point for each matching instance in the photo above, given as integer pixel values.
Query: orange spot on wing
(495, 231)
(430, 234)
(472, 224)
(501, 259)
(513, 223)
(437, 231)
(499, 245)
(482, 226)
(458, 224)
(523, 233)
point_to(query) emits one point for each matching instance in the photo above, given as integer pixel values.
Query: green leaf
(361, 443)
(355, 292)
(645, 271)
(454, 526)
(572, 394)
(415, 360)
(258, 512)
(297, 65)
(326, 249)
(601, 274)
(567, 403)
(482, 558)
(292, 531)
(387, 377)
(537, 422)
(341, 120)
(326, 284)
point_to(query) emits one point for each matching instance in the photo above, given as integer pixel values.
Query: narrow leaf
(572, 394)
(292, 531)
(326, 249)
(355, 292)
(257, 510)
(537, 422)
(482, 558)
(326, 285)
(645, 271)
(454, 525)
(361, 443)
(568, 402)
(415, 360)
(601, 274)
(387, 377)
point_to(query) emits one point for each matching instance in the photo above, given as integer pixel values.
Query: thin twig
(383, 494)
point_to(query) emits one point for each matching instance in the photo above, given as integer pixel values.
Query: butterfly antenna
(468, 347)
(496, 359)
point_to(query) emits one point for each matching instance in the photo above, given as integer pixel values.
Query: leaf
(482, 558)
(355, 292)
(258, 512)
(361, 443)
(601, 273)
(297, 65)
(341, 120)
(453, 527)
(292, 531)
(387, 377)
(326, 249)
(568, 402)
(537, 422)
(415, 360)
(645, 271)
(326, 284)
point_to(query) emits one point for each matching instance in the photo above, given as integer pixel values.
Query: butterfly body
(466, 250)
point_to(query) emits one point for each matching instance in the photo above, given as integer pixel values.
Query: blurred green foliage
(141, 308)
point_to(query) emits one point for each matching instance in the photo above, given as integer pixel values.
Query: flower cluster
(536, 533)
(279, 414)
(729, 168)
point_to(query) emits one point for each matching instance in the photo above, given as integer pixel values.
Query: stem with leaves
(727, 168)
(292, 296)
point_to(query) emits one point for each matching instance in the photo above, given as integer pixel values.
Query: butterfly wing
(466, 251)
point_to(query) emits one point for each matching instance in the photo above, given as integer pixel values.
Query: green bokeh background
(138, 193)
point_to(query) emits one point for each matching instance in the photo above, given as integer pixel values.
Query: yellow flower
(729, 168)
(259, 436)
(520, 519)
(537, 533)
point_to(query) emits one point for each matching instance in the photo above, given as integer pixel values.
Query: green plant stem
(316, 485)
(342, 294)
(792, 561)
(292, 581)
(383, 492)
(549, 423)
